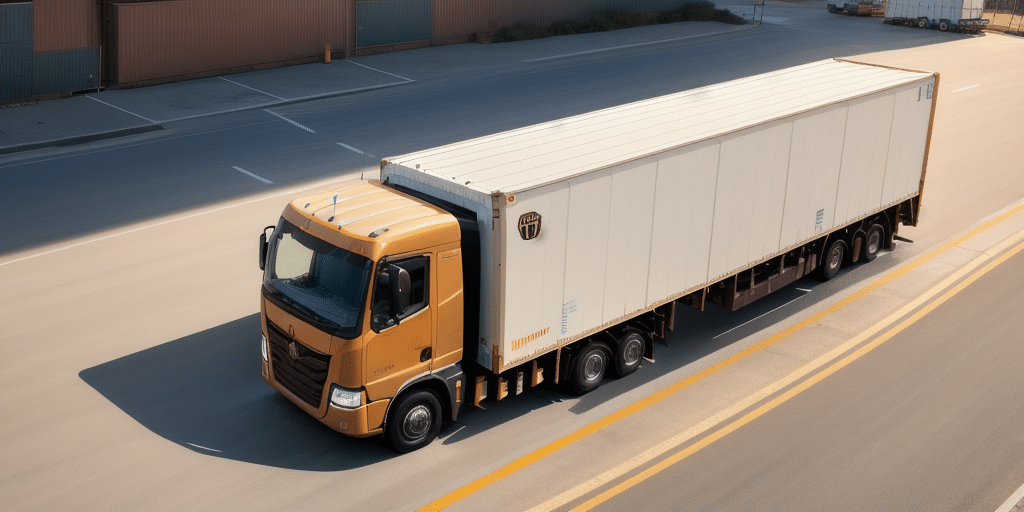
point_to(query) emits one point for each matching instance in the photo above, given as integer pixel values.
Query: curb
(80, 139)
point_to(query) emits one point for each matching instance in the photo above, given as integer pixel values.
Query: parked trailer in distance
(957, 15)
(559, 251)
(858, 8)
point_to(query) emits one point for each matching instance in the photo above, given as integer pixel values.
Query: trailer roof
(528, 157)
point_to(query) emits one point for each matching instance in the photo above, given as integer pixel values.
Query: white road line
(1012, 501)
(251, 88)
(243, 171)
(968, 87)
(204, 448)
(379, 71)
(350, 148)
(293, 191)
(267, 110)
(755, 319)
(119, 108)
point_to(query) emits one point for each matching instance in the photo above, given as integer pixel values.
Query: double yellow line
(646, 402)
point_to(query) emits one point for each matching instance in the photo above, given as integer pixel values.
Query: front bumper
(366, 420)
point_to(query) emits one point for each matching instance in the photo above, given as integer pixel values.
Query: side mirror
(401, 289)
(264, 245)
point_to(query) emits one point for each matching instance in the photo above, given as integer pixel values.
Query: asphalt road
(130, 373)
(930, 420)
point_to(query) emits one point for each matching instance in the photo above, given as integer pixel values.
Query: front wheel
(922, 22)
(414, 422)
(588, 368)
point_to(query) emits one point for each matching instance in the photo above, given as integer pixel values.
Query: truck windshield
(325, 283)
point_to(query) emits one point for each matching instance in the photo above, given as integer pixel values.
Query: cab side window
(419, 296)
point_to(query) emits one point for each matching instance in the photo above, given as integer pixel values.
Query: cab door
(399, 344)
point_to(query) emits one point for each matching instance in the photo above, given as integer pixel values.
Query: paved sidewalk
(116, 113)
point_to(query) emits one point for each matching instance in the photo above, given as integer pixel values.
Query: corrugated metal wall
(15, 52)
(381, 22)
(65, 25)
(159, 41)
(66, 71)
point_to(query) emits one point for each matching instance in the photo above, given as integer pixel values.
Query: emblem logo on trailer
(529, 225)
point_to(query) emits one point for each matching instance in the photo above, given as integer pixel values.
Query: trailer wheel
(922, 22)
(588, 368)
(872, 243)
(943, 26)
(629, 353)
(414, 422)
(833, 260)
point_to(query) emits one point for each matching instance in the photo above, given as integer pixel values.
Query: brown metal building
(55, 47)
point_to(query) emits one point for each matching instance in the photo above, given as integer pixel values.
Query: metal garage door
(381, 22)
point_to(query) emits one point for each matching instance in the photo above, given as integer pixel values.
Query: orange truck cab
(362, 312)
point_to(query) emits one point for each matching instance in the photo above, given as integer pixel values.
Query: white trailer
(957, 15)
(722, 193)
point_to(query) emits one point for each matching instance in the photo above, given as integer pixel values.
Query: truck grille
(305, 375)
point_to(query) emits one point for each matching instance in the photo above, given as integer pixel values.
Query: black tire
(833, 260)
(629, 353)
(943, 26)
(922, 22)
(588, 368)
(873, 241)
(414, 421)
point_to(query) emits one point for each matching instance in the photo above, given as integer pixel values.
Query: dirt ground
(1007, 22)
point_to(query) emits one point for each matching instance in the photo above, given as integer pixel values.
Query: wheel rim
(874, 241)
(417, 422)
(835, 258)
(593, 366)
(631, 354)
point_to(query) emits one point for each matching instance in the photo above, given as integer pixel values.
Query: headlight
(347, 398)
(263, 347)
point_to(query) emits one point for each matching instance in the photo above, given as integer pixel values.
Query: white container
(934, 10)
(643, 203)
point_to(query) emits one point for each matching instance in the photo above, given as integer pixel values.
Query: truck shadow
(204, 392)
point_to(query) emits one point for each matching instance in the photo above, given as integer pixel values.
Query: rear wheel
(943, 26)
(872, 243)
(922, 22)
(415, 421)
(833, 260)
(629, 353)
(589, 367)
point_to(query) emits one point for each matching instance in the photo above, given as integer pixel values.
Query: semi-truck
(957, 15)
(560, 252)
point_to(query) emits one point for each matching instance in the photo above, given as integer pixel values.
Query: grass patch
(700, 10)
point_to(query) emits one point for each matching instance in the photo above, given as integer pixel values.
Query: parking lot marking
(91, 97)
(251, 88)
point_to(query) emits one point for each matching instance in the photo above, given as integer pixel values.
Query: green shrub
(700, 10)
